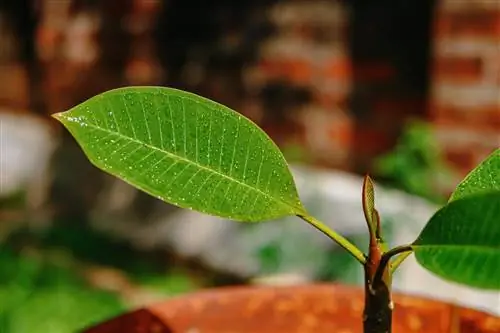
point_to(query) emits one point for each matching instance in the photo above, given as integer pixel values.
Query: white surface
(26, 145)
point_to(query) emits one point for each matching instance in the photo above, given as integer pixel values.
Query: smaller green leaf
(461, 242)
(369, 205)
(485, 177)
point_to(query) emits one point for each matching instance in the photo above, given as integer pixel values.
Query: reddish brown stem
(377, 316)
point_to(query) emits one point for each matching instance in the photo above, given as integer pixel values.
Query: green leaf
(186, 150)
(485, 177)
(461, 242)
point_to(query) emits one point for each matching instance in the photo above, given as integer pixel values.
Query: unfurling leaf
(186, 150)
(461, 242)
(484, 178)
(371, 215)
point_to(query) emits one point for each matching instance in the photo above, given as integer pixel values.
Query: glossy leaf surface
(485, 177)
(461, 242)
(186, 150)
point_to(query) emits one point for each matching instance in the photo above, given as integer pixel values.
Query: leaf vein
(125, 106)
(146, 122)
(234, 147)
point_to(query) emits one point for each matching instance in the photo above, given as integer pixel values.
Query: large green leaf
(186, 150)
(485, 177)
(461, 242)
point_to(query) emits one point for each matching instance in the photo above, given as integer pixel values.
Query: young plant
(198, 154)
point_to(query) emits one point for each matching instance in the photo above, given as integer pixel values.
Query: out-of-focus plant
(46, 289)
(39, 296)
(416, 164)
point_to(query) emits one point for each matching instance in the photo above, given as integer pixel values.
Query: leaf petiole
(337, 238)
(398, 261)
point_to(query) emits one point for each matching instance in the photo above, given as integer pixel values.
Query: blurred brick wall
(465, 97)
(389, 51)
(307, 52)
(364, 66)
(335, 78)
(86, 49)
(14, 85)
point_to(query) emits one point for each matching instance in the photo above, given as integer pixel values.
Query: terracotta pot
(305, 309)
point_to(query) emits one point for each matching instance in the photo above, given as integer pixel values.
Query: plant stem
(377, 315)
(337, 238)
(399, 260)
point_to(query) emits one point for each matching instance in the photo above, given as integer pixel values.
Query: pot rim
(332, 305)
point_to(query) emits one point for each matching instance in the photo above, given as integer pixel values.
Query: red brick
(331, 100)
(465, 96)
(14, 86)
(466, 159)
(342, 135)
(47, 41)
(450, 135)
(145, 6)
(296, 70)
(463, 159)
(338, 69)
(497, 83)
(395, 110)
(480, 117)
(332, 93)
(475, 22)
(300, 71)
(373, 72)
(369, 141)
(459, 69)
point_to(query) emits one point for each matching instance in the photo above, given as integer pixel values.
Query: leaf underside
(186, 150)
(461, 242)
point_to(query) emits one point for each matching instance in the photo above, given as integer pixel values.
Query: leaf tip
(58, 116)
(367, 178)
(368, 186)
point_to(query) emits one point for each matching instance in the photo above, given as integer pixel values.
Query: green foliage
(38, 297)
(415, 165)
(85, 244)
(269, 257)
(171, 284)
(186, 150)
(461, 242)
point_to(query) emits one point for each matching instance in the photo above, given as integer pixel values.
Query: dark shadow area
(390, 47)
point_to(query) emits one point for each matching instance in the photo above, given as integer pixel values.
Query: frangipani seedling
(198, 154)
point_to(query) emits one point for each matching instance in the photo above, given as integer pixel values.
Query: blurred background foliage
(345, 88)
(416, 165)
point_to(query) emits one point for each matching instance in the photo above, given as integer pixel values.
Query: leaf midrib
(181, 158)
